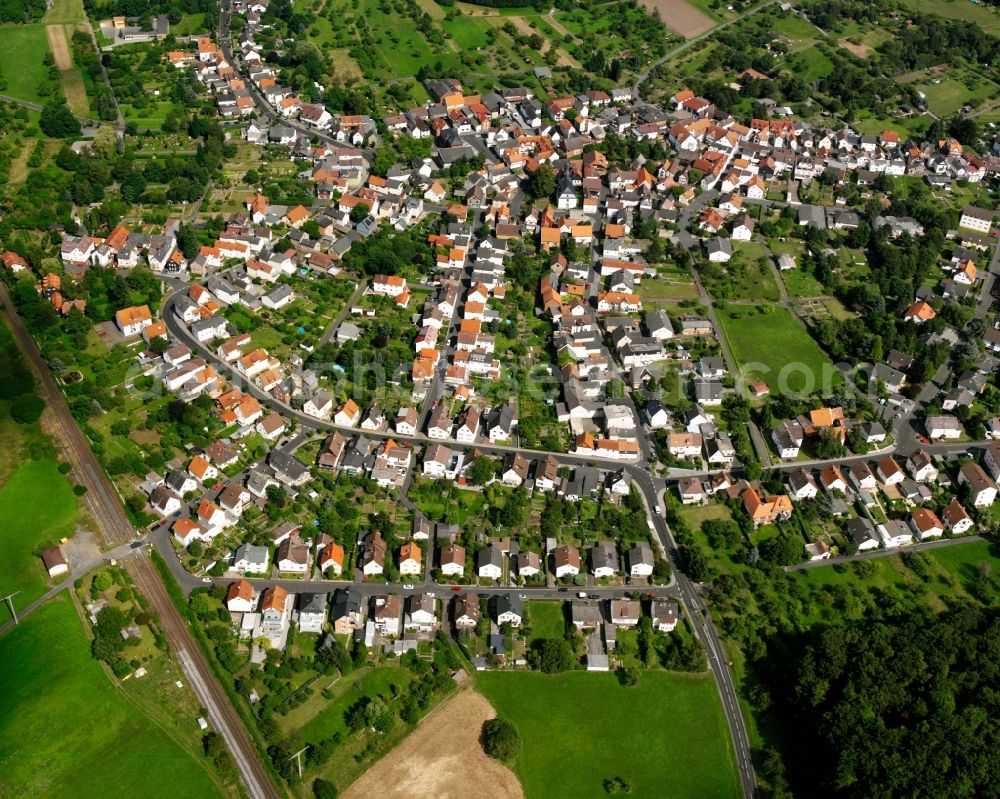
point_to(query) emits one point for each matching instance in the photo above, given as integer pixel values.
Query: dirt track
(680, 16)
(59, 47)
(442, 758)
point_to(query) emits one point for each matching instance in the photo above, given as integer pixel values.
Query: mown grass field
(667, 735)
(771, 346)
(22, 48)
(66, 731)
(36, 505)
(985, 16)
(948, 96)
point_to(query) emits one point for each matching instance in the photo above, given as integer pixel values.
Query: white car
(582, 594)
(407, 586)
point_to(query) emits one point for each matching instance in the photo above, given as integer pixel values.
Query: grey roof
(312, 603)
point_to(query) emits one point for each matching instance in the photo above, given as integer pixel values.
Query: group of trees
(901, 706)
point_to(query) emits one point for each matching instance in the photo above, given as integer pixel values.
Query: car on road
(657, 509)
(582, 594)
(407, 586)
(456, 588)
(136, 545)
(922, 438)
(206, 579)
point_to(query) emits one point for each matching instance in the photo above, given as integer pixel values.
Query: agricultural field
(683, 17)
(442, 757)
(70, 76)
(770, 345)
(61, 710)
(666, 736)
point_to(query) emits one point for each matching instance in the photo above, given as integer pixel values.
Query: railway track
(221, 713)
(115, 529)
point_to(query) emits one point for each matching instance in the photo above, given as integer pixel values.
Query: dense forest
(904, 706)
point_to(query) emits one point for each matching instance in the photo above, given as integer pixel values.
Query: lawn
(189, 24)
(770, 345)
(667, 735)
(22, 48)
(38, 486)
(800, 283)
(546, 619)
(68, 732)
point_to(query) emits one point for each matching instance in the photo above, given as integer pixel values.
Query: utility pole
(298, 758)
(10, 604)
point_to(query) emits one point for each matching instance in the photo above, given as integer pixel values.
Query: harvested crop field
(680, 16)
(442, 758)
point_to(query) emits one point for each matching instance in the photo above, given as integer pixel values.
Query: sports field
(66, 731)
(770, 345)
(666, 736)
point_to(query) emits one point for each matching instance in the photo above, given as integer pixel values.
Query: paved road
(704, 629)
(90, 123)
(265, 108)
(359, 289)
(116, 529)
(181, 333)
(79, 570)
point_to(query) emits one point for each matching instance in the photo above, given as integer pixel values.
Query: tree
(552, 655)
(187, 241)
(57, 122)
(483, 470)
(694, 561)
(501, 740)
(359, 212)
(542, 183)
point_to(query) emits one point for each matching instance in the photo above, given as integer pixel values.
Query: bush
(79, 490)
(324, 789)
(26, 409)
(501, 740)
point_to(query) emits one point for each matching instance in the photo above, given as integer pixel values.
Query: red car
(456, 588)
(923, 439)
